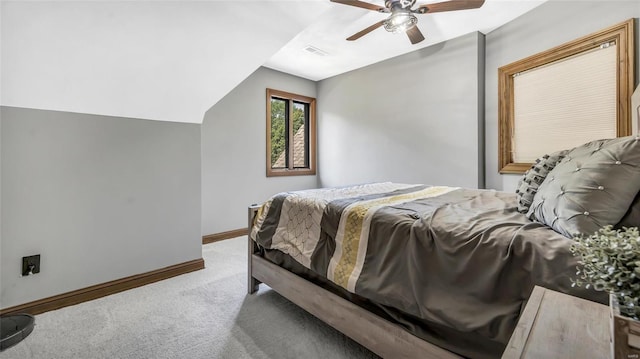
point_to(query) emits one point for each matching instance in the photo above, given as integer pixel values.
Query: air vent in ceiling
(314, 50)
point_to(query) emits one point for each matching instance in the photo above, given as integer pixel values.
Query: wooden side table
(557, 325)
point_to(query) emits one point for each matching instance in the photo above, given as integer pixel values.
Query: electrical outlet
(30, 265)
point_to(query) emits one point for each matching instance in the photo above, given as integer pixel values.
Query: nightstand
(557, 325)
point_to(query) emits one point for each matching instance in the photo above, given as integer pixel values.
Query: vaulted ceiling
(173, 60)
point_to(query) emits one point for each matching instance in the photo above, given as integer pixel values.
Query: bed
(435, 271)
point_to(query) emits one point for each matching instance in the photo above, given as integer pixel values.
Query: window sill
(297, 172)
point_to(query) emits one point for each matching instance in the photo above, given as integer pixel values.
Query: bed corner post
(253, 248)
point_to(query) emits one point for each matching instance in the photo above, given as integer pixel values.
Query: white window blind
(565, 104)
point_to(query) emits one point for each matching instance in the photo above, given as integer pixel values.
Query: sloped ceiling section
(157, 60)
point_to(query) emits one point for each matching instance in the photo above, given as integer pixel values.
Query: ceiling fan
(402, 17)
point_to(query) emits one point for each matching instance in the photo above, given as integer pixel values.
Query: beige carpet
(205, 314)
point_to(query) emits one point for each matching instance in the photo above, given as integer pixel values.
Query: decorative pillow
(632, 218)
(592, 186)
(531, 180)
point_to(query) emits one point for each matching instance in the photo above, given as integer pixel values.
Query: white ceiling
(330, 29)
(157, 60)
(173, 60)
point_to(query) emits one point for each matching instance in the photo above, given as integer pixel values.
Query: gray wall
(1, 269)
(234, 151)
(416, 118)
(551, 24)
(100, 198)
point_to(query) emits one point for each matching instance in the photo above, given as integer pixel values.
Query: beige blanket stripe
(354, 217)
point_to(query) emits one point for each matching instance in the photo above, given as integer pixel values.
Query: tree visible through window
(290, 134)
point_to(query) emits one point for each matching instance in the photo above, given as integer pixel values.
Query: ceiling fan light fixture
(400, 21)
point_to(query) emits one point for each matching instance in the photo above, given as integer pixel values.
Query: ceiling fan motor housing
(402, 4)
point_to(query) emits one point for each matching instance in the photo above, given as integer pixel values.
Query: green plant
(610, 261)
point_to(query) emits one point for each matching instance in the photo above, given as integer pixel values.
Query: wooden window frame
(622, 34)
(291, 171)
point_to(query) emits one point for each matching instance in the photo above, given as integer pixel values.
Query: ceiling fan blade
(415, 35)
(449, 6)
(362, 4)
(360, 34)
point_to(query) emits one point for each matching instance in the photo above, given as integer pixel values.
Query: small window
(291, 135)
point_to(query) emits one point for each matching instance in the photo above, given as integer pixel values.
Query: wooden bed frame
(383, 337)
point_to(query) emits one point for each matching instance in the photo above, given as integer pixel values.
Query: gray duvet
(455, 266)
